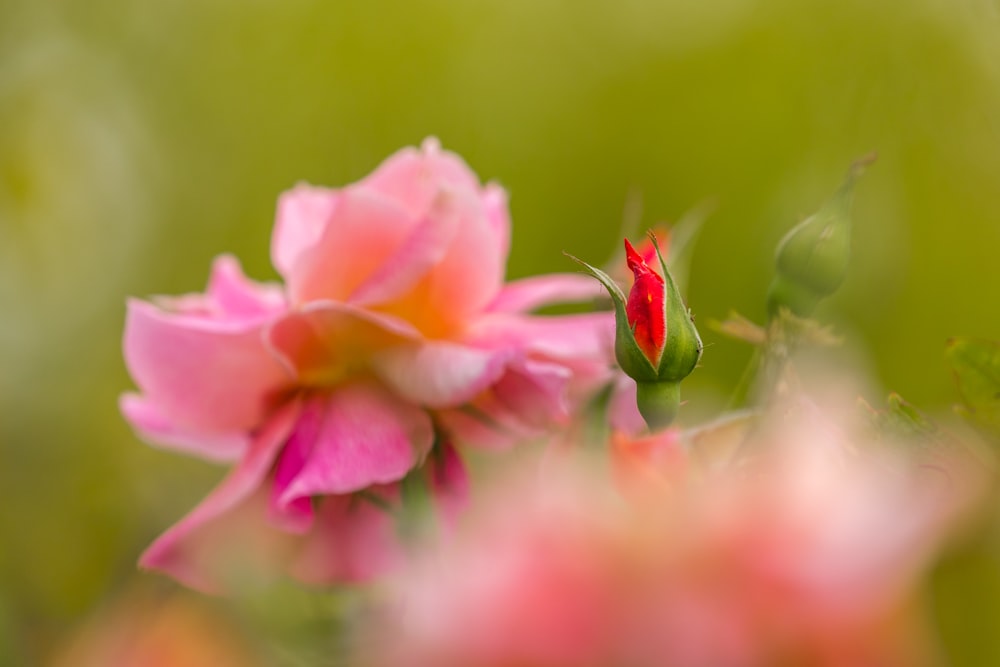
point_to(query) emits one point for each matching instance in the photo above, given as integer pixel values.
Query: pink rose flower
(809, 551)
(392, 335)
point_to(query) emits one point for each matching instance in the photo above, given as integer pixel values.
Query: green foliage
(976, 366)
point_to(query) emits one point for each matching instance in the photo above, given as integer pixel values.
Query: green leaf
(976, 366)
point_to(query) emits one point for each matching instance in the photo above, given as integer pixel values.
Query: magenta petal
(204, 376)
(303, 213)
(449, 483)
(368, 436)
(440, 374)
(296, 515)
(155, 428)
(527, 294)
(177, 551)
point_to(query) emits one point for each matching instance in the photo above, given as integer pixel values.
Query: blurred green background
(140, 139)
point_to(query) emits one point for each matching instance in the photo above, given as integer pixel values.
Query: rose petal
(204, 376)
(354, 539)
(535, 391)
(186, 551)
(495, 206)
(418, 254)
(156, 429)
(363, 231)
(415, 177)
(325, 341)
(237, 297)
(440, 374)
(368, 436)
(303, 214)
(586, 337)
(296, 515)
(528, 294)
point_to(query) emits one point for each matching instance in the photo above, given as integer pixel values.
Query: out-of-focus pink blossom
(807, 552)
(393, 331)
(143, 630)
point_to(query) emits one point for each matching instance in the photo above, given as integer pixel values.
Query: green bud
(813, 257)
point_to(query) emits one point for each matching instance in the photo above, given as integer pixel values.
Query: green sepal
(629, 355)
(682, 348)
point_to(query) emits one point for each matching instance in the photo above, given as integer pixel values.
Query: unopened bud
(813, 257)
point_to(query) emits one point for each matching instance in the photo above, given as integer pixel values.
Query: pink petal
(368, 436)
(535, 391)
(527, 294)
(296, 515)
(587, 337)
(471, 273)
(237, 297)
(418, 254)
(354, 540)
(210, 376)
(414, 177)
(623, 411)
(154, 427)
(487, 425)
(440, 374)
(495, 206)
(186, 551)
(303, 214)
(449, 483)
(325, 341)
(362, 233)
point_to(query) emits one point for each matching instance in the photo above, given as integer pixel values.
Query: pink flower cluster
(392, 339)
(808, 553)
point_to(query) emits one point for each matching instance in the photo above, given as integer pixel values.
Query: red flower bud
(646, 307)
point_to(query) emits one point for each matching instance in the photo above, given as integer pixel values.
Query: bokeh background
(140, 139)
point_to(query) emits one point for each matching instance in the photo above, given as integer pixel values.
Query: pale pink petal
(362, 233)
(155, 428)
(237, 297)
(488, 424)
(203, 375)
(623, 411)
(495, 206)
(418, 254)
(367, 436)
(527, 294)
(353, 540)
(325, 341)
(186, 551)
(586, 337)
(414, 177)
(440, 374)
(471, 274)
(303, 214)
(536, 392)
